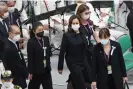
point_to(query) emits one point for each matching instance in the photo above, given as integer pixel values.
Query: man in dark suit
(14, 18)
(14, 15)
(4, 25)
(14, 58)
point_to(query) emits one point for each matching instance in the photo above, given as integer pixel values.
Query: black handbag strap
(126, 85)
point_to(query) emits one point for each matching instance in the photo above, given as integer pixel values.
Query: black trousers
(77, 77)
(111, 82)
(44, 79)
(78, 80)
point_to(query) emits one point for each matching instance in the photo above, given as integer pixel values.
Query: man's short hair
(2, 4)
(10, 27)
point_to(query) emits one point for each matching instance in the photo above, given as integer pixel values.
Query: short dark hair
(10, 27)
(34, 28)
(104, 33)
(81, 9)
(36, 25)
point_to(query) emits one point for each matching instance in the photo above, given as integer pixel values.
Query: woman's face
(104, 41)
(39, 29)
(86, 14)
(75, 25)
(75, 21)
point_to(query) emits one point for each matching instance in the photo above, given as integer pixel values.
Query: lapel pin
(113, 48)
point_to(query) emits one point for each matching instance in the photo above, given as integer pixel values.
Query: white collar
(12, 41)
(1, 19)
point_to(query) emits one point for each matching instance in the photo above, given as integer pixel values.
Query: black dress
(74, 48)
(87, 32)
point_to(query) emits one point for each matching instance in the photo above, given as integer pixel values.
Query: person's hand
(21, 45)
(93, 84)
(21, 40)
(60, 71)
(30, 76)
(125, 79)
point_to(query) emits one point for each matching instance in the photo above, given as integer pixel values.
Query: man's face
(3, 10)
(11, 3)
(15, 31)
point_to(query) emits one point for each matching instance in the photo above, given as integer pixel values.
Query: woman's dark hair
(82, 8)
(34, 28)
(71, 20)
(104, 33)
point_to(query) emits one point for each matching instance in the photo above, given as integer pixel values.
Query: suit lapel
(102, 55)
(111, 52)
(113, 46)
(3, 29)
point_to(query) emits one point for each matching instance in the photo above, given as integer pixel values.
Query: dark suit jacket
(3, 31)
(15, 19)
(130, 23)
(1, 49)
(74, 51)
(15, 62)
(99, 66)
(36, 56)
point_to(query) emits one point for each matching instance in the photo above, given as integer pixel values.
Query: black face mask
(40, 34)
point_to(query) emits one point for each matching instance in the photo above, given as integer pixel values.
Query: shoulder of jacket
(66, 34)
(114, 43)
(46, 37)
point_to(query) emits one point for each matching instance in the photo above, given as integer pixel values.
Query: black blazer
(15, 61)
(88, 33)
(73, 49)
(36, 56)
(1, 49)
(15, 17)
(3, 31)
(99, 66)
(129, 22)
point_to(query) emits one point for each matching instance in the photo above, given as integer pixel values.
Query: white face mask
(46, 33)
(86, 17)
(16, 38)
(7, 84)
(104, 41)
(11, 9)
(76, 27)
(5, 15)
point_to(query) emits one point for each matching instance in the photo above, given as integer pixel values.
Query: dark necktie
(11, 18)
(5, 25)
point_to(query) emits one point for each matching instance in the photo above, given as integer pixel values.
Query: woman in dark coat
(39, 67)
(108, 68)
(73, 49)
(87, 26)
